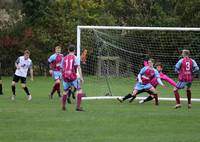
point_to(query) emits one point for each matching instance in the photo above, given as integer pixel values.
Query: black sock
(133, 97)
(59, 95)
(69, 93)
(73, 94)
(26, 90)
(127, 97)
(13, 90)
(1, 89)
(149, 98)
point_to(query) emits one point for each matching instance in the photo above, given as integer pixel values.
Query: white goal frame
(131, 28)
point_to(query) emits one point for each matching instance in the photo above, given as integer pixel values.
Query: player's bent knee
(13, 83)
(79, 91)
(175, 89)
(153, 90)
(57, 81)
(23, 86)
(188, 89)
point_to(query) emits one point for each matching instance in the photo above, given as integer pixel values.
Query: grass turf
(42, 120)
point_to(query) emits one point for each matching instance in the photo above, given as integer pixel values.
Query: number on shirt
(69, 67)
(187, 66)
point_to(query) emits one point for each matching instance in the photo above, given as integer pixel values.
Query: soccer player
(144, 78)
(54, 62)
(70, 65)
(154, 83)
(22, 64)
(185, 68)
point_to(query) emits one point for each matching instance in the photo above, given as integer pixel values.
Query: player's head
(151, 62)
(71, 48)
(58, 49)
(185, 53)
(159, 66)
(26, 54)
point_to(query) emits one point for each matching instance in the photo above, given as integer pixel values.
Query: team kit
(67, 69)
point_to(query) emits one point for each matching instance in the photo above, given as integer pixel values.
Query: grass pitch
(41, 120)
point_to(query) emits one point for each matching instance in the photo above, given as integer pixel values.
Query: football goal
(112, 56)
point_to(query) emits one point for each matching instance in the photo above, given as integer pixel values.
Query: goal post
(115, 55)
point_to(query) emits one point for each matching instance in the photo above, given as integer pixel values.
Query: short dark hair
(152, 60)
(58, 47)
(71, 48)
(185, 52)
(26, 51)
(159, 64)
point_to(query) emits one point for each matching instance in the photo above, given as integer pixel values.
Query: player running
(54, 62)
(154, 83)
(70, 65)
(22, 64)
(144, 78)
(185, 68)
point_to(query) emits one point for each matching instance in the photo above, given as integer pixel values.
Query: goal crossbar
(140, 28)
(129, 28)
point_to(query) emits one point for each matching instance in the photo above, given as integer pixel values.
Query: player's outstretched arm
(157, 75)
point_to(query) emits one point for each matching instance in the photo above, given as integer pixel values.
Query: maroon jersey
(148, 75)
(55, 64)
(69, 68)
(185, 72)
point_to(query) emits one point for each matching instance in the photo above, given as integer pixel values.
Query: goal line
(137, 98)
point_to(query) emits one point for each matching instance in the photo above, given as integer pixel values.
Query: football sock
(133, 97)
(1, 89)
(54, 89)
(79, 99)
(127, 97)
(58, 89)
(13, 90)
(64, 98)
(69, 93)
(26, 90)
(149, 98)
(177, 96)
(73, 94)
(156, 99)
(189, 96)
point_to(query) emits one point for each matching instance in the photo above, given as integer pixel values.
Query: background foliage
(40, 25)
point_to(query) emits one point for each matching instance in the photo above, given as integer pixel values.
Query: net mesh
(115, 57)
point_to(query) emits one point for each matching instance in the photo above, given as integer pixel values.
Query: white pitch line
(137, 98)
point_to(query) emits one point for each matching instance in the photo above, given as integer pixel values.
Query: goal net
(111, 57)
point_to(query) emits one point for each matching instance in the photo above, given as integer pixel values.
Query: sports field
(41, 120)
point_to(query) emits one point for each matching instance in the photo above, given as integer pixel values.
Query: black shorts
(17, 78)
